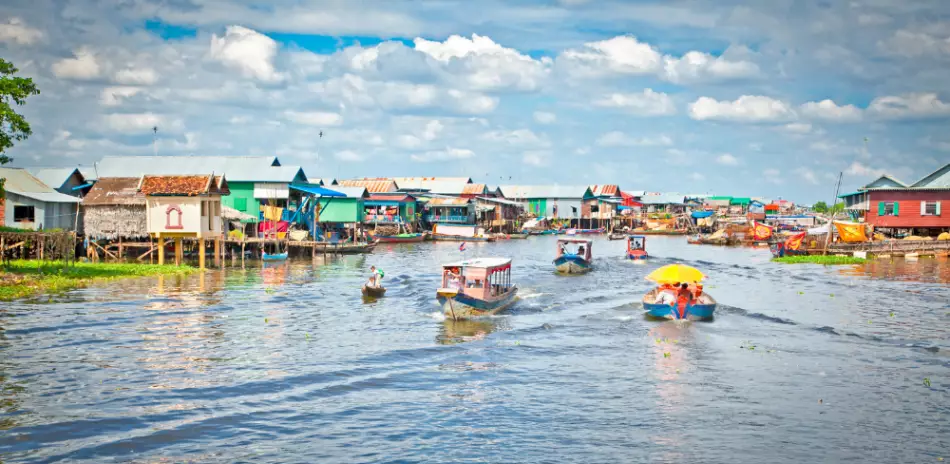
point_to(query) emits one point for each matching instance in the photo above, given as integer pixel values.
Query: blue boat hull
(462, 306)
(572, 264)
(637, 256)
(665, 311)
(274, 257)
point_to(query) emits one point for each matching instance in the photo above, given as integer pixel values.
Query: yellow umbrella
(673, 273)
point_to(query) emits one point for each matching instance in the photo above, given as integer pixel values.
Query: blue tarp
(702, 214)
(317, 190)
(82, 186)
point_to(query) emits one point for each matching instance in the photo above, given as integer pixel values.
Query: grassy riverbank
(828, 260)
(22, 278)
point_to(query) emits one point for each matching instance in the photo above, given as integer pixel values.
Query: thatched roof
(231, 214)
(114, 191)
(114, 221)
(185, 186)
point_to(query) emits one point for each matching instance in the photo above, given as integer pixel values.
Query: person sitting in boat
(580, 251)
(665, 295)
(683, 294)
(453, 280)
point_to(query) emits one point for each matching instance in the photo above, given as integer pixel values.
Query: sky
(760, 98)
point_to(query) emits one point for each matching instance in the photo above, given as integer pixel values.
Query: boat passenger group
(679, 293)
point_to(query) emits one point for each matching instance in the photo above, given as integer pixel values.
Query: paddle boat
(699, 306)
(476, 287)
(637, 247)
(573, 255)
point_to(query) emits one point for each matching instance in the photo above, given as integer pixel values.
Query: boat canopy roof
(641, 237)
(491, 264)
(575, 240)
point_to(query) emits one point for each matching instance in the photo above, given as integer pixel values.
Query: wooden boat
(273, 256)
(702, 309)
(545, 232)
(662, 232)
(578, 262)
(517, 236)
(461, 238)
(476, 287)
(401, 238)
(637, 247)
(374, 292)
(344, 248)
(616, 236)
(586, 231)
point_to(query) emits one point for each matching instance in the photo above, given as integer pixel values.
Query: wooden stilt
(201, 253)
(178, 251)
(217, 252)
(161, 251)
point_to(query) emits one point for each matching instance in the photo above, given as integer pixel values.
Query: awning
(702, 214)
(316, 190)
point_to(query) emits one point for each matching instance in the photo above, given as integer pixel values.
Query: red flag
(761, 231)
(795, 241)
(462, 247)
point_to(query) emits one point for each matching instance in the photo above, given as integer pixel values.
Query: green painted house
(345, 210)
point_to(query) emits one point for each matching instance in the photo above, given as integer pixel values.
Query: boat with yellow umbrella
(669, 303)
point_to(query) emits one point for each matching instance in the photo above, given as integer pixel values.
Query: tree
(820, 207)
(13, 126)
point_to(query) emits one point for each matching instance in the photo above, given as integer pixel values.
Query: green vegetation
(13, 127)
(828, 260)
(822, 207)
(22, 278)
(14, 229)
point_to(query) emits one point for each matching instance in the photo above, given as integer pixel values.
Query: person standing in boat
(376, 275)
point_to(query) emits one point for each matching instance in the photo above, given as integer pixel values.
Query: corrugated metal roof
(520, 192)
(663, 199)
(448, 202)
(236, 168)
(939, 179)
(188, 186)
(605, 190)
(886, 182)
(500, 201)
(400, 197)
(55, 177)
(350, 192)
(372, 185)
(22, 183)
(114, 191)
(474, 189)
(438, 187)
(635, 193)
(426, 182)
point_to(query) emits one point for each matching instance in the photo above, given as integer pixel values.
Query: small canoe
(460, 238)
(273, 256)
(617, 237)
(702, 309)
(517, 236)
(375, 292)
(401, 238)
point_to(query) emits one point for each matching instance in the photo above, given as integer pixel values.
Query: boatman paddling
(376, 275)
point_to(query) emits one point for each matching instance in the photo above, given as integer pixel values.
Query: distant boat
(401, 238)
(578, 262)
(637, 247)
(476, 287)
(460, 238)
(517, 236)
(616, 236)
(273, 256)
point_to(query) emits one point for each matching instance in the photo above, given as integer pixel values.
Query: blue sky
(737, 98)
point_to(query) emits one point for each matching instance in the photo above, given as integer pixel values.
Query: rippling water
(288, 363)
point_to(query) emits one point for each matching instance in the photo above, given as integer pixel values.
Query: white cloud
(727, 160)
(356, 91)
(16, 31)
(348, 156)
(873, 19)
(114, 96)
(314, 118)
(517, 137)
(697, 176)
(408, 141)
(697, 66)
(807, 175)
(913, 44)
(859, 169)
(136, 76)
(486, 65)
(909, 106)
(138, 123)
(447, 154)
(747, 108)
(535, 158)
(247, 51)
(646, 103)
(432, 130)
(622, 54)
(543, 117)
(619, 139)
(798, 127)
(829, 111)
(84, 66)
(582, 151)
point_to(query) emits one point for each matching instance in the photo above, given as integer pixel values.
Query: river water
(287, 363)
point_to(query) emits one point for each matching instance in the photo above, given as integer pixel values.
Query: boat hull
(460, 238)
(396, 239)
(375, 292)
(274, 256)
(517, 236)
(461, 306)
(570, 264)
(703, 310)
(617, 237)
(637, 255)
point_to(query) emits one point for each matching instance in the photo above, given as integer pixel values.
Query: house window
(930, 208)
(240, 204)
(888, 208)
(173, 218)
(23, 213)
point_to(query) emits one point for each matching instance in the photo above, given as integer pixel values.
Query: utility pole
(155, 140)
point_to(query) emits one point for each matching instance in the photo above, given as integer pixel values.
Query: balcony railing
(447, 218)
(382, 219)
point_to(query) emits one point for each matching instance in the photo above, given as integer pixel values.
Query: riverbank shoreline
(827, 260)
(26, 278)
